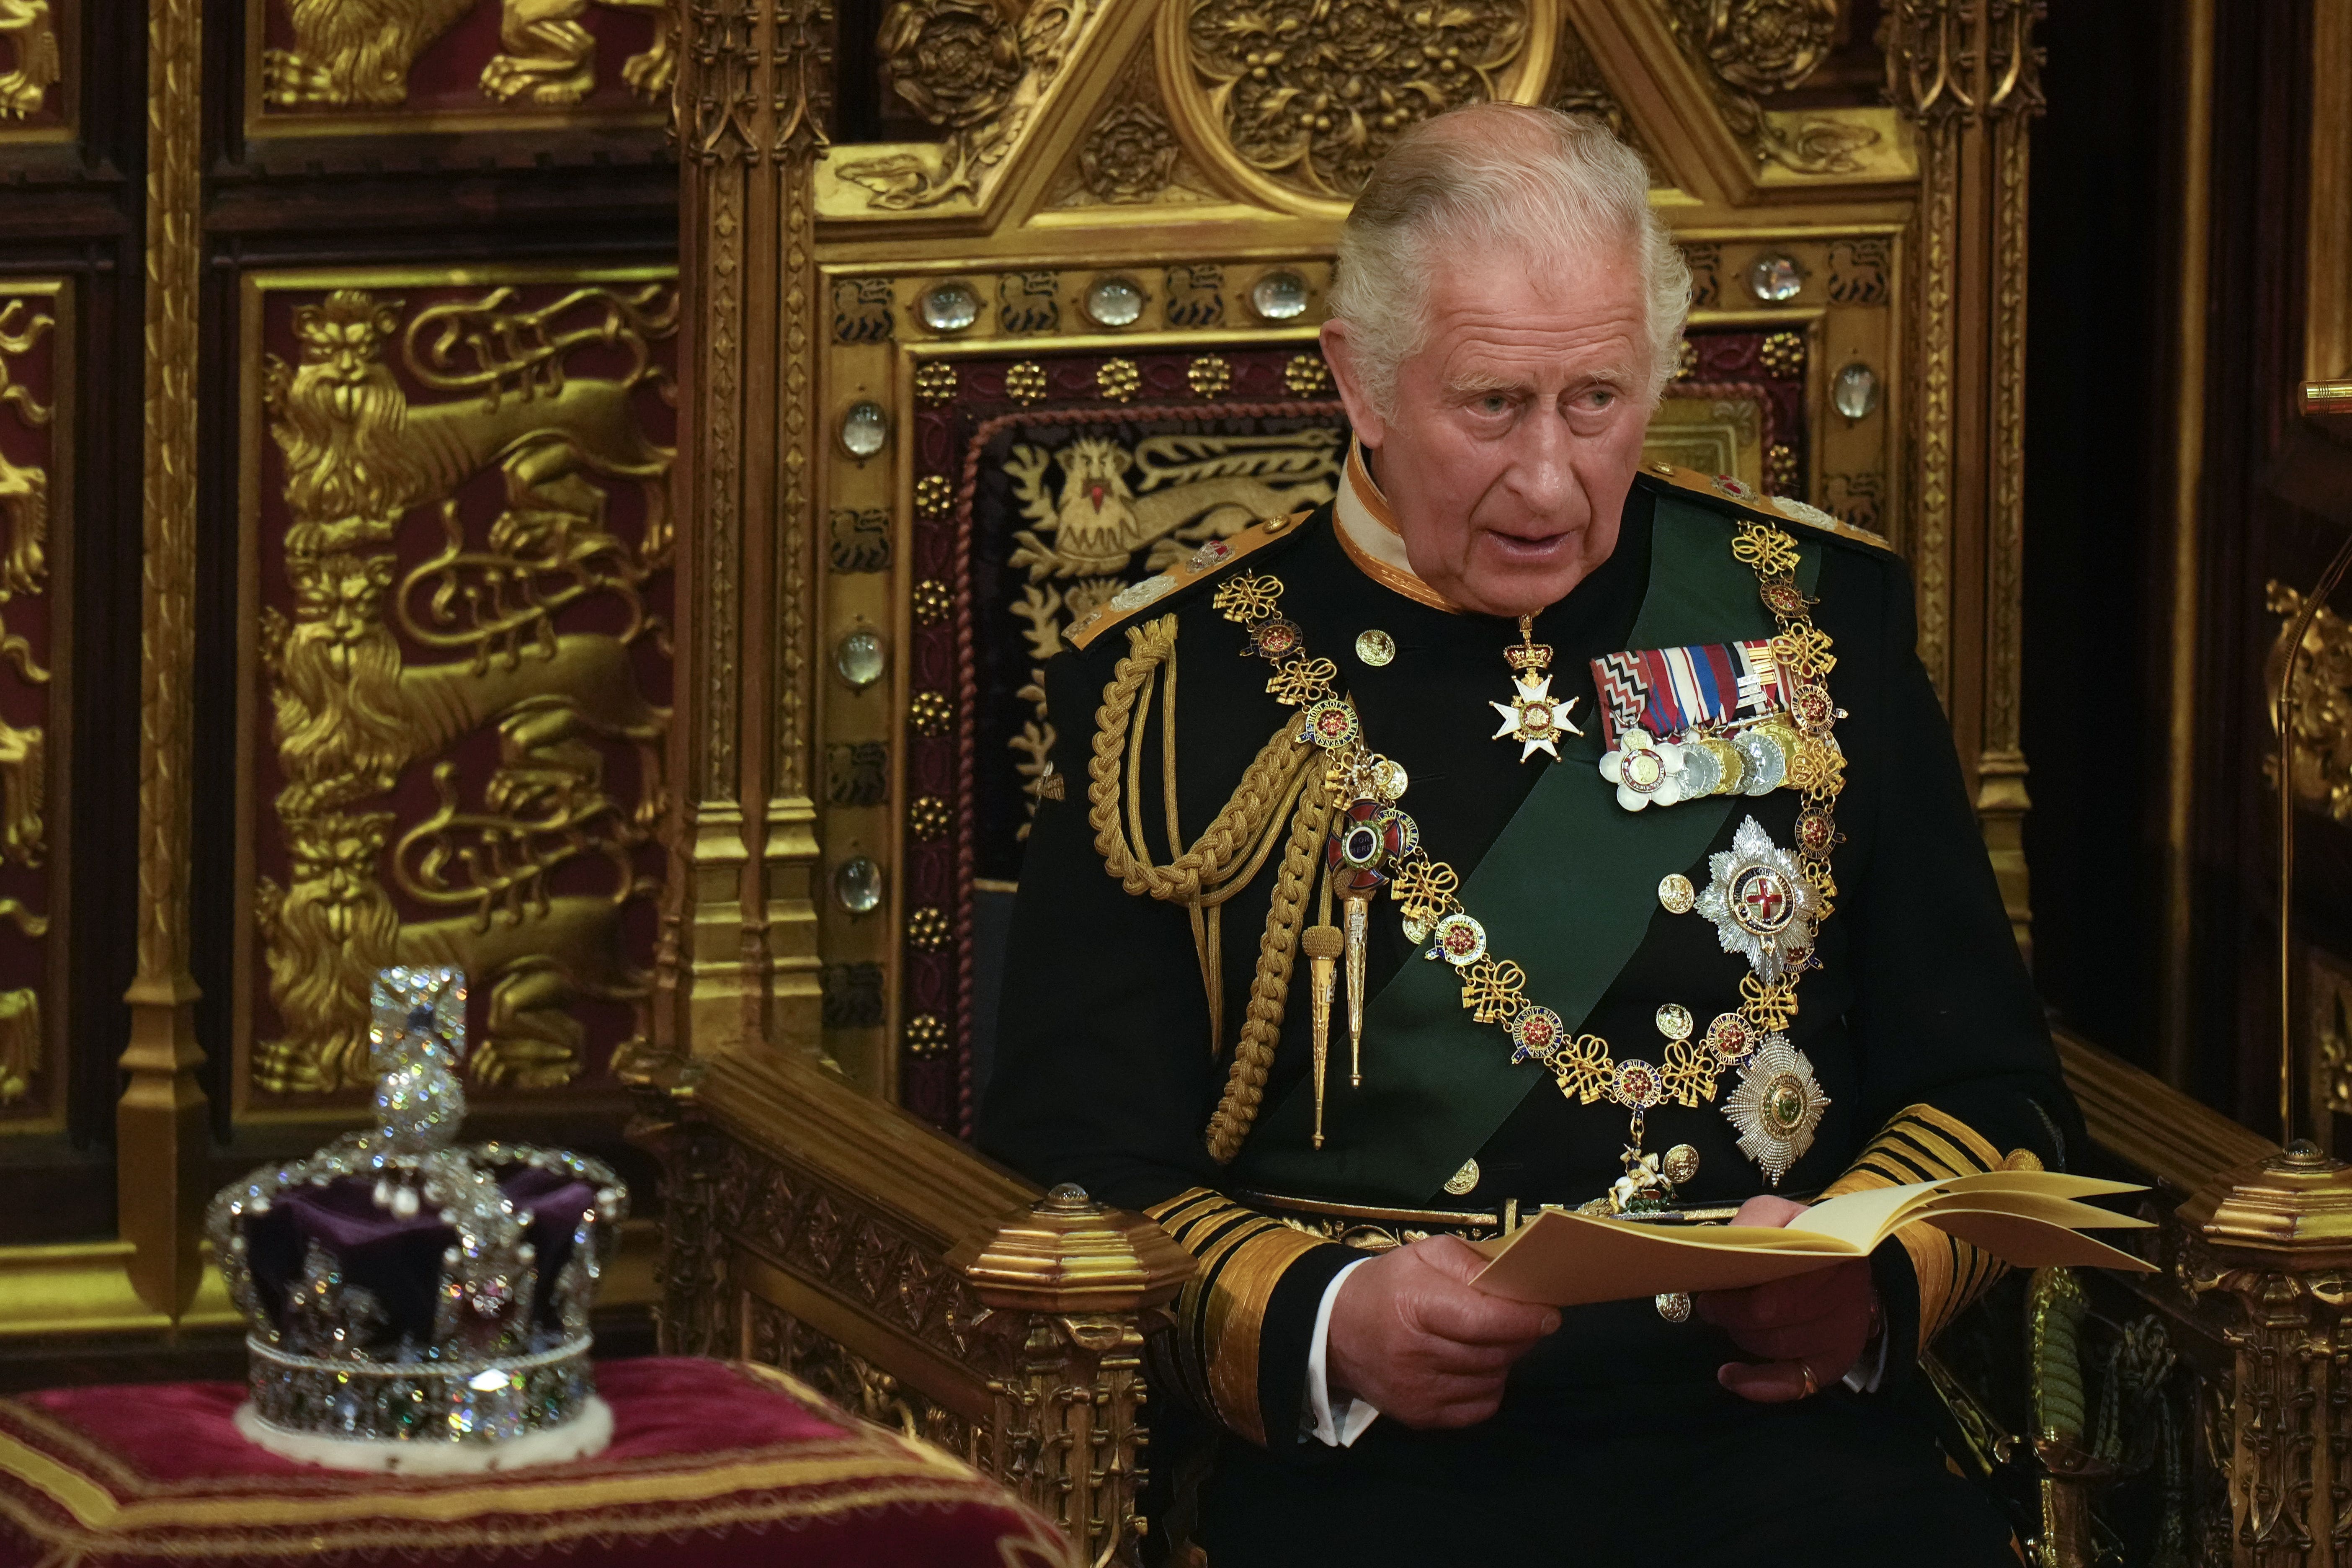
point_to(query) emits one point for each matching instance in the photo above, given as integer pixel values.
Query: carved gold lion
(28, 26)
(358, 53)
(327, 931)
(355, 707)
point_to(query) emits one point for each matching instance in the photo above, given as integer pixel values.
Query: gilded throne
(1063, 334)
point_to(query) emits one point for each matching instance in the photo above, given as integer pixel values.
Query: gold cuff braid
(1285, 782)
(1921, 1143)
(1220, 1312)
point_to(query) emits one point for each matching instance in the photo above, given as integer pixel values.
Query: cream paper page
(1568, 1259)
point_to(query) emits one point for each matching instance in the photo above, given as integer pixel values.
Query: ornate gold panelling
(2328, 1000)
(36, 358)
(456, 552)
(39, 68)
(975, 71)
(1577, 87)
(1296, 102)
(160, 1133)
(2320, 706)
(1129, 153)
(1752, 48)
(371, 65)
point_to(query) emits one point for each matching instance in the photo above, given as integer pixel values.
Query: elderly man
(1531, 825)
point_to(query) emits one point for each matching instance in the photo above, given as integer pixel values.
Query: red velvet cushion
(712, 1465)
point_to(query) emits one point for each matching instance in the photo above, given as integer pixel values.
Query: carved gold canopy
(1026, 360)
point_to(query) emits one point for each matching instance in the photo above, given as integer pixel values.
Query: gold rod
(2173, 1029)
(2284, 713)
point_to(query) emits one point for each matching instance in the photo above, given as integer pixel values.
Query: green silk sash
(1566, 891)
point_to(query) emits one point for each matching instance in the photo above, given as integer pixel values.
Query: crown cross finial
(417, 1041)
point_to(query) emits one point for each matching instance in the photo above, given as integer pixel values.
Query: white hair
(1554, 187)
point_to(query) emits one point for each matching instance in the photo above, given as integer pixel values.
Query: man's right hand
(1410, 1335)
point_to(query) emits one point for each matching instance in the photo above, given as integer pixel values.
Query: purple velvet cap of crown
(398, 1260)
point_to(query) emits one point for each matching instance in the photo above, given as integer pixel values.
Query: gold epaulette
(1922, 1144)
(1209, 560)
(1724, 487)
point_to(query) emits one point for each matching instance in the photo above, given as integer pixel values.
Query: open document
(2029, 1218)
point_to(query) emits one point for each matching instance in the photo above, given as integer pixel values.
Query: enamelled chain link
(1777, 1130)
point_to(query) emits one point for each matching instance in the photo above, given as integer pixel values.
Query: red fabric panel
(712, 1465)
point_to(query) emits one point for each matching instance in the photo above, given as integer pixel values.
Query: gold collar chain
(1778, 1103)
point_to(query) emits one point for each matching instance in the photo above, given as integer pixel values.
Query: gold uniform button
(1375, 648)
(1674, 891)
(1462, 1181)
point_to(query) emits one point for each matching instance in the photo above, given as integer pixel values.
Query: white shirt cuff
(1870, 1368)
(1334, 1428)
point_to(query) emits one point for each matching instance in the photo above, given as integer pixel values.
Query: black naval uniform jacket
(1919, 1021)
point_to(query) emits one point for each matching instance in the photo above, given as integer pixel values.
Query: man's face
(1515, 431)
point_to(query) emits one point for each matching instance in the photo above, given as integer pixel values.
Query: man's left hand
(1812, 1327)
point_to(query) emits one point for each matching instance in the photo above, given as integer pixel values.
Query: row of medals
(1765, 902)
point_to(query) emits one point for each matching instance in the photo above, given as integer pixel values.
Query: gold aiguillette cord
(1321, 943)
(1360, 919)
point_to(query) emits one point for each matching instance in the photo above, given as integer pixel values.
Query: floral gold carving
(1307, 376)
(935, 384)
(1118, 379)
(927, 1035)
(931, 602)
(1023, 383)
(1759, 46)
(1579, 87)
(929, 818)
(358, 53)
(930, 712)
(1129, 154)
(1754, 48)
(354, 711)
(1310, 94)
(2320, 705)
(969, 68)
(928, 928)
(955, 62)
(32, 35)
(1209, 375)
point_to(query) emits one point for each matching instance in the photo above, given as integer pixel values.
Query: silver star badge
(1762, 903)
(1534, 717)
(1776, 1106)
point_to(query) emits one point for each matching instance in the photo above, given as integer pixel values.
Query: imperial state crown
(416, 1305)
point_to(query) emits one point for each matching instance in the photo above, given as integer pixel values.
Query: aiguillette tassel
(1359, 916)
(1322, 946)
